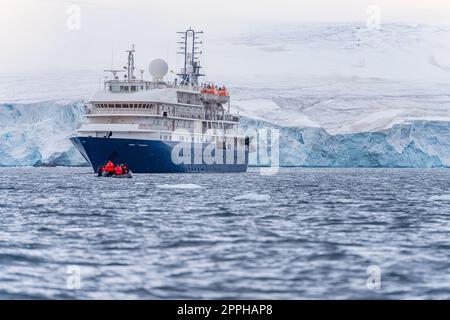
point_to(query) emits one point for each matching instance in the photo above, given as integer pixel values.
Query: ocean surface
(301, 233)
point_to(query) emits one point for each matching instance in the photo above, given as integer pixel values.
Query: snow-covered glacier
(37, 134)
(340, 95)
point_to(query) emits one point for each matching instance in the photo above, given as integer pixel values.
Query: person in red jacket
(110, 166)
(118, 171)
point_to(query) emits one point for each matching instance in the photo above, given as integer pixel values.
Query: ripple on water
(182, 186)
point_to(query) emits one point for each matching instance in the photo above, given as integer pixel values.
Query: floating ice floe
(179, 186)
(444, 197)
(253, 197)
(44, 201)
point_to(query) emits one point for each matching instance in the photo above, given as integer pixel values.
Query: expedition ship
(160, 126)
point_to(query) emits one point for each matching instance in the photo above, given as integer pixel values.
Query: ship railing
(96, 110)
(225, 118)
(144, 111)
(145, 126)
(124, 110)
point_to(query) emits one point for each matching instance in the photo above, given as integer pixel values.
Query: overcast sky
(40, 34)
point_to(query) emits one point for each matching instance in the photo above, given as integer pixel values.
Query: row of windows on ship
(126, 88)
(221, 141)
(165, 110)
(158, 123)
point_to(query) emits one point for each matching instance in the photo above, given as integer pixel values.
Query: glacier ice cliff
(418, 144)
(37, 134)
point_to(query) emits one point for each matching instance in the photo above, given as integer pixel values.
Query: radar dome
(158, 69)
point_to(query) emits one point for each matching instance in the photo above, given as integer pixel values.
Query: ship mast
(190, 50)
(130, 65)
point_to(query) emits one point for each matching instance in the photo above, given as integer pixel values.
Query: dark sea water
(302, 233)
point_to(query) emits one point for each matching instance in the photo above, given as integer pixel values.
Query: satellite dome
(158, 69)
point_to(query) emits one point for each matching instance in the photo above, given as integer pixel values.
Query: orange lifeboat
(215, 95)
(223, 92)
(209, 91)
(210, 94)
(224, 95)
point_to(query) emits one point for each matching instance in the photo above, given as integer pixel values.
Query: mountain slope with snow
(344, 77)
(346, 112)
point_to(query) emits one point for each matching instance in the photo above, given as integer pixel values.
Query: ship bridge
(123, 86)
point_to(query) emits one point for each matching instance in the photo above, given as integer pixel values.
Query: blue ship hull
(147, 156)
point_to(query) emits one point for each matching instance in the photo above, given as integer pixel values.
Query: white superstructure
(158, 110)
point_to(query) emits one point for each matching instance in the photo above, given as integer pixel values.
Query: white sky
(34, 34)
